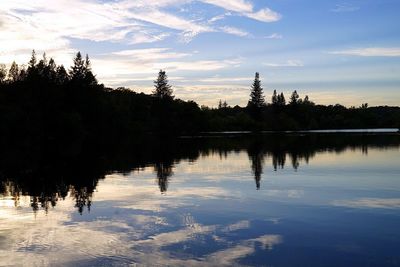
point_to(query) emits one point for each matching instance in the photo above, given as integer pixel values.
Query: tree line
(45, 103)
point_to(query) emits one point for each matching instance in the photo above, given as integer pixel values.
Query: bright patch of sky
(333, 51)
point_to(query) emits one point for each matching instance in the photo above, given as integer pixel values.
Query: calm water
(308, 200)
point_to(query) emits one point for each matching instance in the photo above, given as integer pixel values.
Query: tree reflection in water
(48, 177)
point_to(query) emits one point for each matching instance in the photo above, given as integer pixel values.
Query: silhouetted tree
(89, 76)
(256, 96)
(162, 88)
(281, 100)
(3, 73)
(274, 98)
(51, 70)
(42, 67)
(294, 98)
(306, 100)
(78, 70)
(13, 73)
(32, 64)
(61, 75)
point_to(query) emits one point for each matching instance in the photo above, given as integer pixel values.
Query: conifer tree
(32, 65)
(3, 73)
(162, 88)
(77, 71)
(294, 98)
(42, 67)
(274, 98)
(32, 61)
(13, 73)
(257, 96)
(89, 76)
(51, 69)
(61, 75)
(281, 100)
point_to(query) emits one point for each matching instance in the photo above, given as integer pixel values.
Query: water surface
(294, 200)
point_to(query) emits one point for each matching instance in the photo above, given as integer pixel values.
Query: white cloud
(289, 63)
(147, 54)
(274, 36)
(265, 15)
(381, 203)
(54, 26)
(234, 31)
(370, 52)
(246, 8)
(239, 6)
(345, 8)
(217, 18)
(120, 67)
(144, 37)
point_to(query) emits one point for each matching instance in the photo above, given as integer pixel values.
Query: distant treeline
(44, 103)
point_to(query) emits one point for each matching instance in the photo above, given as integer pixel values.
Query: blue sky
(334, 51)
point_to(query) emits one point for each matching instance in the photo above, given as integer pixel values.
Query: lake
(318, 199)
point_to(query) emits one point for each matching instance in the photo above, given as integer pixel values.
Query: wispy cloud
(265, 15)
(289, 63)
(219, 17)
(234, 31)
(370, 52)
(345, 8)
(274, 36)
(382, 203)
(246, 8)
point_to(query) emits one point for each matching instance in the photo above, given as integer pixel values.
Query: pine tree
(294, 98)
(61, 75)
(274, 98)
(42, 67)
(257, 96)
(281, 100)
(32, 61)
(89, 76)
(13, 73)
(162, 88)
(77, 71)
(32, 65)
(3, 73)
(51, 69)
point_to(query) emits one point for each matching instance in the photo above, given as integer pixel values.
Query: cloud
(61, 28)
(370, 52)
(378, 203)
(289, 63)
(144, 37)
(265, 15)
(239, 6)
(149, 54)
(219, 17)
(274, 36)
(246, 8)
(234, 31)
(340, 8)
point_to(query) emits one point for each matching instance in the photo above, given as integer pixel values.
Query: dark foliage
(46, 105)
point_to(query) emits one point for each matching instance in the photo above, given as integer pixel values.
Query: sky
(334, 51)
